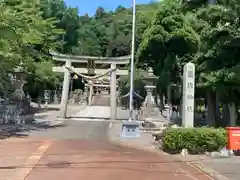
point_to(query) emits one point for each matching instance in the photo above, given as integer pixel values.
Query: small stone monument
(47, 94)
(188, 95)
(130, 129)
(55, 97)
(85, 95)
(90, 92)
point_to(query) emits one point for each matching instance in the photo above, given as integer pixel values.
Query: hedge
(195, 140)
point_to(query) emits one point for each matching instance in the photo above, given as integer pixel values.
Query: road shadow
(23, 130)
(45, 109)
(88, 117)
(95, 118)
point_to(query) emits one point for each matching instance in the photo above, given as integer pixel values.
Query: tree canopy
(203, 32)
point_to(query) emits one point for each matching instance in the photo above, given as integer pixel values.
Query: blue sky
(89, 6)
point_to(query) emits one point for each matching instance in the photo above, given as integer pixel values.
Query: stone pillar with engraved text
(188, 95)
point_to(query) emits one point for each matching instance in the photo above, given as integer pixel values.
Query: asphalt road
(82, 130)
(81, 150)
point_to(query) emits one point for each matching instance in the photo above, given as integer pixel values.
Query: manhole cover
(59, 164)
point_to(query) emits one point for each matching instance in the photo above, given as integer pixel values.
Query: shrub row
(195, 140)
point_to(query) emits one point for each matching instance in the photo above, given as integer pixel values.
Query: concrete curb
(207, 170)
(151, 130)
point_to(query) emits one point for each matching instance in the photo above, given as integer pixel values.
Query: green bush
(195, 140)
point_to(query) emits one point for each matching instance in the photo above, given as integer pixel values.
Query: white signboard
(188, 95)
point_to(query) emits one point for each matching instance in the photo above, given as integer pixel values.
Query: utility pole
(132, 63)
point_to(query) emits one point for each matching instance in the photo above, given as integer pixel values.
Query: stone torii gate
(87, 65)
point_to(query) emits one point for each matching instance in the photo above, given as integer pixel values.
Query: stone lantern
(150, 80)
(150, 112)
(18, 80)
(19, 108)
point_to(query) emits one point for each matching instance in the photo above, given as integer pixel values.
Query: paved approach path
(75, 159)
(102, 99)
(86, 157)
(100, 110)
(82, 150)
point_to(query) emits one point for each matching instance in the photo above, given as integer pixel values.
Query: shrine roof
(84, 59)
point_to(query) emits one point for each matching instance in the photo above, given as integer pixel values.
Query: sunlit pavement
(78, 150)
(37, 159)
(14, 154)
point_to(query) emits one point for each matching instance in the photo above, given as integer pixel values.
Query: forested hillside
(33, 28)
(104, 34)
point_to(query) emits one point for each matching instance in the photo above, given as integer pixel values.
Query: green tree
(168, 43)
(26, 36)
(67, 19)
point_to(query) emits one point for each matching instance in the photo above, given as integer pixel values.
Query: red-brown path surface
(45, 159)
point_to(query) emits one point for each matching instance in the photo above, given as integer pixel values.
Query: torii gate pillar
(65, 90)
